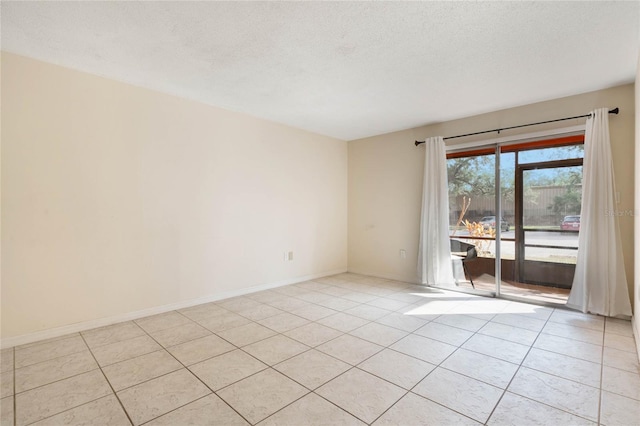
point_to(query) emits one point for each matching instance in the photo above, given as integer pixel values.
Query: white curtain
(434, 255)
(600, 282)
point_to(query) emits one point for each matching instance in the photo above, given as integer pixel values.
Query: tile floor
(341, 350)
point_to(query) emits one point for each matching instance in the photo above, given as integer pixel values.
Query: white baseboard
(101, 322)
(387, 276)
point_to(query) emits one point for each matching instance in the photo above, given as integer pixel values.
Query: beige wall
(117, 199)
(385, 177)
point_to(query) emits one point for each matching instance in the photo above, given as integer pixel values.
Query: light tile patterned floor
(340, 350)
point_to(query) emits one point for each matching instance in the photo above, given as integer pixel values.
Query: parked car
(571, 223)
(490, 222)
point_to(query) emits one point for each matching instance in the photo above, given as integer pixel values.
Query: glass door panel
(547, 224)
(472, 220)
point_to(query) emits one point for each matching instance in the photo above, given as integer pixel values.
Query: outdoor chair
(465, 252)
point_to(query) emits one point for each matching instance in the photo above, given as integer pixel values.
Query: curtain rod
(613, 111)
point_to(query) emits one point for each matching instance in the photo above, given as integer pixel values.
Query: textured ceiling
(343, 69)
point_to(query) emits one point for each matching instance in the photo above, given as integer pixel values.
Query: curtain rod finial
(419, 142)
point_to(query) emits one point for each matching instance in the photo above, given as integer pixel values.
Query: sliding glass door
(472, 219)
(548, 196)
(530, 231)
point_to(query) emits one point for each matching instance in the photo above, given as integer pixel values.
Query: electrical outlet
(290, 256)
(403, 253)
(285, 256)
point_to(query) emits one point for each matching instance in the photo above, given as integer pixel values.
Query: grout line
(162, 348)
(229, 405)
(108, 382)
(351, 367)
(518, 370)
(570, 356)
(268, 367)
(552, 407)
(434, 369)
(53, 359)
(422, 360)
(162, 415)
(67, 410)
(194, 375)
(15, 408)
(604, 330)
(271, 367)
(334, 404)
(117, 341)
(564, 378)
(57, 380)
(310, 348)
(147, 380)
(394, 404)
(309, 392)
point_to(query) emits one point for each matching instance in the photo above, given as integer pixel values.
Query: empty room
(319, 213)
